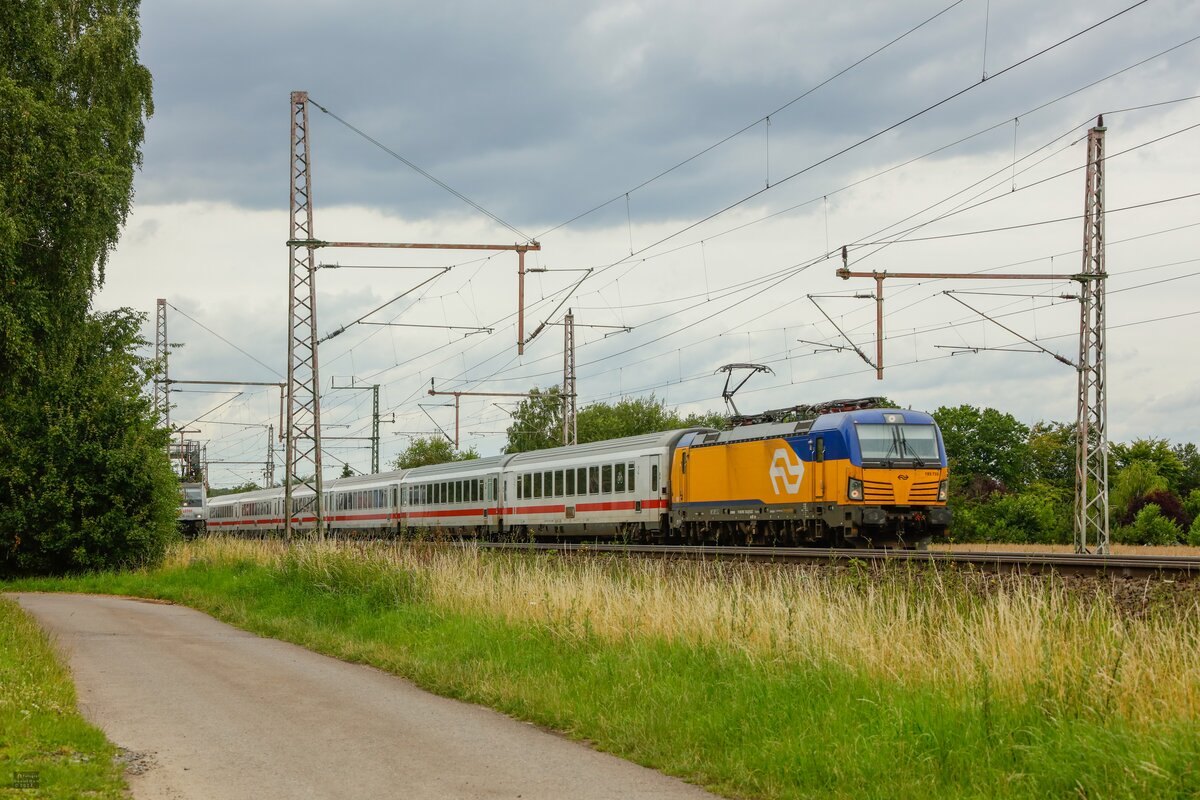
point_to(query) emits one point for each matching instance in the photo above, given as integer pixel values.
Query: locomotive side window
(819, 454)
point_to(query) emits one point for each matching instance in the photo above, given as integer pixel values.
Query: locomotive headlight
(854, 489)
(943, 490)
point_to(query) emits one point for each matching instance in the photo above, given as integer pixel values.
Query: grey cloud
(539, 111)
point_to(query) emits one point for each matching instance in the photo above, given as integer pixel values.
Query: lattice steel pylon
(1091, 464)
(162, 389)
(570, 420)
(303, 448)
(269, 470)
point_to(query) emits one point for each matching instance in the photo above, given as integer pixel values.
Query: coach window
(619, 478)
(570, 488)
(631, 478)
(606, 478)
(548, 483)
(527, 481)
(593, 480)
(537, 484)
(558, 483)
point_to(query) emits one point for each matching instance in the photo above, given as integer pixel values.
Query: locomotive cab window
(898, 442)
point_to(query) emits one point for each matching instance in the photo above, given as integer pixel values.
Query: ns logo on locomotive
(844, 474)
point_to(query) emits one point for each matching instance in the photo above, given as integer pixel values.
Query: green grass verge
(43, 739)
(738, 724)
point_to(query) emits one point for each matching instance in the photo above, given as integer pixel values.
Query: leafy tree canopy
(1052, 453)
(248, 486)
(424, 451)
(984, 442)
(73, 103)
(1156, 452)
(537, 422)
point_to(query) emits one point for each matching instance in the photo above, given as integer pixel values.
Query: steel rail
(1072, 563)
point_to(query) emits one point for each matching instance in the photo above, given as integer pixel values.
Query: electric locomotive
(865, 477)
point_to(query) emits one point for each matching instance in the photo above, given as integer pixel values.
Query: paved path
(218, 712)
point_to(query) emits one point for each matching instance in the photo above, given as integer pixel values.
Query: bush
(1168, 503)
(85, 483)
(1149, 527)
(1193, 537)
(1191, 505)
(1039, 515)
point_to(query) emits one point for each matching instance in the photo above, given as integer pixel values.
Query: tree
(423, 451)
(1052, 453)
(347, 472)
(73, 102)
(1189, 458)
(248, 486)
(1155, 452)
(984, 443)
(1136, 480)
(537, 422)
(84, 478)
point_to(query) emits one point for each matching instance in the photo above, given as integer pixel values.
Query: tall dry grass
(1019, 641)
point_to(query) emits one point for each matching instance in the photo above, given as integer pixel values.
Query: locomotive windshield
(192, 498)
(902, 442)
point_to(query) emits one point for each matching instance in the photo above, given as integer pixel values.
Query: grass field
(756, 681)
(46, 748)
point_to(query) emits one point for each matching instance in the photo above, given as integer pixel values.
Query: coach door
(818, 465)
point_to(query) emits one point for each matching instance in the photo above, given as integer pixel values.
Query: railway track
(1063, 563)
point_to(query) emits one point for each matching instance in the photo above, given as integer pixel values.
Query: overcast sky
(540, 112)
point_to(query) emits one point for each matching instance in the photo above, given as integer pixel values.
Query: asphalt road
(209, 711)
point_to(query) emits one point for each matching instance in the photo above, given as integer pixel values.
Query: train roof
(824, 422)
(871, 416)
(456, 467)
(645, 441)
